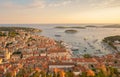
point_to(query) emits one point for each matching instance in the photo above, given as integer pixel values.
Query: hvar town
(25, 54)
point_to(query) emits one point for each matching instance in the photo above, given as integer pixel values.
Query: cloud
(62, 3)
(9, 4)
(105, 3)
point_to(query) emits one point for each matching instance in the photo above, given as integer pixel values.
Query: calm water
(86, 40)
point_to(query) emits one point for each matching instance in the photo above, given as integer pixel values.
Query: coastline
(30, 51)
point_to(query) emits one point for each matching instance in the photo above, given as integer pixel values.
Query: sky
(59, 11)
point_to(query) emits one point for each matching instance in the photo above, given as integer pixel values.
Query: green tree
(87, 56)
(100, 74)
(8, 74)
(84, 74)
(36, 74)
(69, 74)
(43, 74)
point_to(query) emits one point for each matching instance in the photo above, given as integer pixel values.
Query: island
(111, 26)
(65, 27)
(92, 26)
(71, 31)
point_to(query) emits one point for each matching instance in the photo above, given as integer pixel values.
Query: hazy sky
(59, 11)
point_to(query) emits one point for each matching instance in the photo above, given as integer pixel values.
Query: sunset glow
(59, 11)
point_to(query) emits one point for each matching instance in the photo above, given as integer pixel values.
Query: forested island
(71, 31)
(19, 28)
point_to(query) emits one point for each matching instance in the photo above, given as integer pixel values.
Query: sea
(85, 41)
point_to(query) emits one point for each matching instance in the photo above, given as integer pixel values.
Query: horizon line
(54, 23)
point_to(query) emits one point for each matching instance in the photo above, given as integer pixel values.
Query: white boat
(75, 48)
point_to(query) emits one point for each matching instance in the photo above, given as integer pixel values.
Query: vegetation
(8, 74)
(111, 44)
(103, 71)
(13, 34)
(8, 44)
(13, 29)
(69, 74)
(36, 74)
(17, 52)
(31, 39)
(110, 40)
(2, 34)
(87, 56)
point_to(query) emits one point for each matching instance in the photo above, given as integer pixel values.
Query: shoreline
(40, 53)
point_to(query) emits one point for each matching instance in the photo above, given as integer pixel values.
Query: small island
(65, 27)
(112, 26)
(92, 26)
(71, 31)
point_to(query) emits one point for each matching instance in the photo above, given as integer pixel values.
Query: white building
(52, 66)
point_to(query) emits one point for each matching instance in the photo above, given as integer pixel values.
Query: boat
(75, 49)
